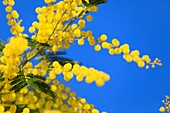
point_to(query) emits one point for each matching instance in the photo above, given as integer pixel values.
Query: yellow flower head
(16, 46)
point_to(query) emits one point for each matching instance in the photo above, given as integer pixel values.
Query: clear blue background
(145, 25)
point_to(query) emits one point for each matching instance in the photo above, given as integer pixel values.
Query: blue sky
(144, 25)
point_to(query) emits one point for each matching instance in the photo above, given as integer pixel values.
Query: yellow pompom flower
(167, 97)
(2, 109)
(89, 18)
(8, 9)
(58, 71)
(15, 14)
(89, 33)
(128, 58)
(74, 26)
(141, 64)
(47, 1)
(99, 82)
(95, 111)
(104, 112)
(35, 24)
(55, 48)
(111, 51)
(136, 58)
(56, 64)
(16, 46)
(82, 23)
(3, 59)
(89, 80)
(38, 10)
(79, 78)
(83, 100)
(13, 108)
(77, 32)
(26, 110)
(124, 46)
(126, 50)
(93, 8)
(117, 51)
(60, 26)
(162, 109)
(115, 42)
(103, 37)
(135, 53)
(81, 42)
(87, 106)
(53, 88)
(147, 67)
(31, 29)
(52, 74)
(97, 47)
(56, 82)
(5, 2)
(11, 2)
(67, 67)
(8, 16)
(53, 0)
(105, 45)
(35, 71)
(146, 58)
(153, 66)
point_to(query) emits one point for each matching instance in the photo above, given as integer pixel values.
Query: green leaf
(24, 84)
(35, 81)
(34, 43)
(17, 87)
(36, 77)
(2, 87)
(42, 86)
(85, 3)
(62, 60)
(46, 88)
(2, 43)
(2, 46)
(31, 42)
(18, 83)
(97, 2)
(17, 79)
(1, 78)
(94, 2)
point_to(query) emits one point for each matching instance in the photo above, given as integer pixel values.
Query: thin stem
(71, 21)
(27, 60)
(55, 27)
(25, 54)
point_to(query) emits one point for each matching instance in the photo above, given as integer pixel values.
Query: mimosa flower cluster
(33, 88)
(166, 107)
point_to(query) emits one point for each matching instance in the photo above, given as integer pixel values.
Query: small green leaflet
(2, 46)
(1, 78)
(94, 2)
(34, 43)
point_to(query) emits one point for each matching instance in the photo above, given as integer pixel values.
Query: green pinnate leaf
(17, 79)
(93, 2)
(17, 87)
(42, 86)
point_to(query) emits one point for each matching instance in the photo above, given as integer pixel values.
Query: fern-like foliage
(33, 81)
(35, 44)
